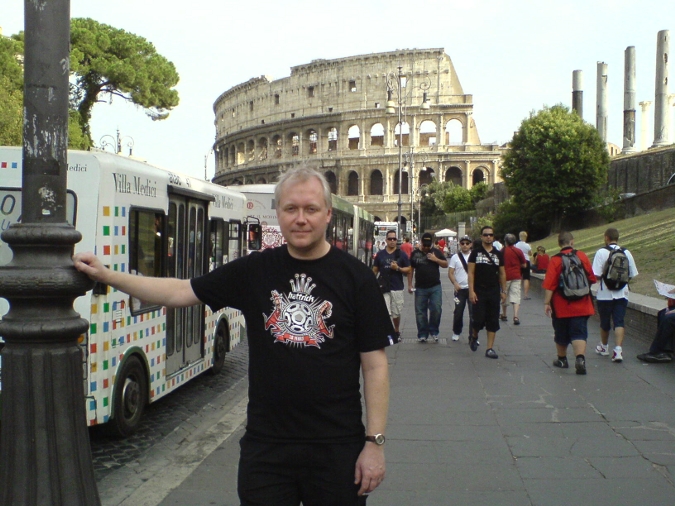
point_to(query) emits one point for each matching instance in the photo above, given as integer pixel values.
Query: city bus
(351, 228)
(146, 221)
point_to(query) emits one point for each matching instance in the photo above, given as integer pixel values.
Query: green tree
(109, 61)
(555, 166)
(11, 105)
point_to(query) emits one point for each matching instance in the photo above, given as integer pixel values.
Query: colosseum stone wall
(343, 116)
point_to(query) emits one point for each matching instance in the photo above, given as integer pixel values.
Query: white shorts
(394, 301)
(513, 291)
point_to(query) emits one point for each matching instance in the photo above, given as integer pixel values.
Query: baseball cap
(427, 239)
(465, 238)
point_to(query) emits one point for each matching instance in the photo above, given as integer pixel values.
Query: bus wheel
(220, 345)
(131, 397)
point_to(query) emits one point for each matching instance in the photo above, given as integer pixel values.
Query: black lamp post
(45, 457)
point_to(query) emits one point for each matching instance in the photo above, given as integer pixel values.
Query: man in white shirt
(612, 304)
(525, 271)
(458, 275)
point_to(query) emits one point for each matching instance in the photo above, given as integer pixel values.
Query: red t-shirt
(542, 262)
(513, 260)
(563, 308)
(407, 248)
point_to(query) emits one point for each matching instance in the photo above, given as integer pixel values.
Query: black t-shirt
(427, 273)
(486, 274)
(307, 322)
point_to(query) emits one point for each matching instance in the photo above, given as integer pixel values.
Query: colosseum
(360, 120)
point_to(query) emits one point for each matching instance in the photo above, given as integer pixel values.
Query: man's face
(391, 241)
(303, 217)
(426, 246)
(465, 246)
(488, 236)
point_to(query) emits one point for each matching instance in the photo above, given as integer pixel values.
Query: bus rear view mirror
(254, 237)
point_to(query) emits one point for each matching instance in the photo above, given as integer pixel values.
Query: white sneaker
(455, 337)
(601, 349)
(616, 356)
(435, 338)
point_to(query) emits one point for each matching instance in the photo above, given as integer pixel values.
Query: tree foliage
(110, 62)
(555, 167)
(103, 61)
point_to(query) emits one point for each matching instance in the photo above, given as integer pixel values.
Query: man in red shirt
(407, 247)
(570, 317)
(514, 263)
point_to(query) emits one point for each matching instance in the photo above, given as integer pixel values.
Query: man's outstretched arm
(169, 292)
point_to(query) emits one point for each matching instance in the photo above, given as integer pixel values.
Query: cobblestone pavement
(175, 412)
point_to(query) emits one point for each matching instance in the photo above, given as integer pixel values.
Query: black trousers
(458, 319)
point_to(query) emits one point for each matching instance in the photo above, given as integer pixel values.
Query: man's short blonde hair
(301, 174)
(523, 236)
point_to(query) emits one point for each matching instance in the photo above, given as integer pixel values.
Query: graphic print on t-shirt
(299, 318)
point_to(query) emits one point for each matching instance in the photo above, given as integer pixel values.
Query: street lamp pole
(45, 457)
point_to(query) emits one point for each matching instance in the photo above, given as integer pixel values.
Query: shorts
(285, 474)
(394, 301)
(570, 329)
(486, 310)
(525, 272)
(615, 310)
(513, 291)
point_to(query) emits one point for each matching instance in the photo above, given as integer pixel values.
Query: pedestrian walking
(663, 345)
(614, 267)
(390, 264)
(487, 290)
(569, 317)
(459, 277)
(525, 271)
(324, 324)
(425, 264)
(514, 263)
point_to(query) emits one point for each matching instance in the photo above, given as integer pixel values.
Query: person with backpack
(391, 263)
(459, 277)
(568, 302)
(615, 267)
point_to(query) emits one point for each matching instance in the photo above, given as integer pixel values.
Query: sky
(513, 57)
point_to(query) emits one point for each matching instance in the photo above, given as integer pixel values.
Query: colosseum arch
(479, 175)
(312, 141)
(294, 143)
(404, 182)
(454, 175)
(250, 150)
(353, 184)
(402, 133)
(261, 180)
(427, 175)
(332, 181)
(354, 133)
(454, 132)
(427, 133)
(262, 148)
(377, 135)
(332, 139)
(376, 183)
(277, 144)
(241, 153)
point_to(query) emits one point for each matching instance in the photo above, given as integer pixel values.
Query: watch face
(379, 439)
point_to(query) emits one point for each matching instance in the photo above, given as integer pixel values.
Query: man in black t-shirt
(487, 290)
(315, 321)
(425, 263)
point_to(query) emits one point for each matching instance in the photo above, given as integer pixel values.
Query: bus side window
(146, 230)
(217, 256)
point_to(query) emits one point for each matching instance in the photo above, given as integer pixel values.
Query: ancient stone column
(578, 92)
(601, 101)
(645, 105)
(661, 116)
(629, 101)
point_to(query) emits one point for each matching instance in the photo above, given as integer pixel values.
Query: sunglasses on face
(391, 238)
(488, 235)
(465, 243)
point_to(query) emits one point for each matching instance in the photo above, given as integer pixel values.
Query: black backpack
(573, 284)
(616, 271)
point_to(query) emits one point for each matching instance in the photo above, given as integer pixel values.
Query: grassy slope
(650, 238)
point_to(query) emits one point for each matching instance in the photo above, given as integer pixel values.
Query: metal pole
(45, 457)
(400, 147)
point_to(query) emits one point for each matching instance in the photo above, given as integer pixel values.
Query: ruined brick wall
(642, 172)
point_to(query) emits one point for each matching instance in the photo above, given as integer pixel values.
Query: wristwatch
(378, 439)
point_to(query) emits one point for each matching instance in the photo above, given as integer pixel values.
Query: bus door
(186, 234)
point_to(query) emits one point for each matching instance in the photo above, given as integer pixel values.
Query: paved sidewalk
(468, 430)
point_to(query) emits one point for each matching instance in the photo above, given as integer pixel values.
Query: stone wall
(642, 172)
